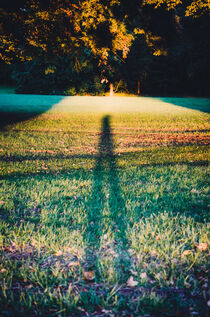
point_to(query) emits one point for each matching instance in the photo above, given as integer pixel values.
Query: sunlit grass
(124, 195)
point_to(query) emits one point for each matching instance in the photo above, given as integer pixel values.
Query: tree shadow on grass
(10, 118)
(107, 207)
(200, 104)
(20, 108)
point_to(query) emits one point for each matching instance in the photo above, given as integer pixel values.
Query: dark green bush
(59, 77)
(70, 91)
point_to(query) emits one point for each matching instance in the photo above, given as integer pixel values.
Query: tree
(193, 8)
(63, 27)
(150, 45)
(46, 30)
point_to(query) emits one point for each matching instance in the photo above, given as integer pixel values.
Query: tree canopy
(101, 41)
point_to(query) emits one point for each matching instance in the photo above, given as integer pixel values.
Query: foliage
(59, 77)
(193, 8)
(150, 42)
(44, 78)
(86, 23)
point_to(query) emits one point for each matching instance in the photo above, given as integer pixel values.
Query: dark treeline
(149, 47)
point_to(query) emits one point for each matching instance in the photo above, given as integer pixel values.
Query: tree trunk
(111, 92)
(138, 91)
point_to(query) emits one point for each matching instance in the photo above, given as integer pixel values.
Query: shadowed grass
(121, 195)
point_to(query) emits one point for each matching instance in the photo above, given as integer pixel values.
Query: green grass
(114, 186)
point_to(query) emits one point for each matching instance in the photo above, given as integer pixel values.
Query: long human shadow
(107, 206)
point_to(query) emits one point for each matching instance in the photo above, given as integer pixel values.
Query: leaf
(88, 275)
(133, 272)
(159, 276)
(154, 253)
(185, 253)
(144, 275)
(194, 190)
(202, 246)
(73, 263)
(130, 282)
(59, 253)
(111, 252)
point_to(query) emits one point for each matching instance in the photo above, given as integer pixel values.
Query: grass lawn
(104, 206)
